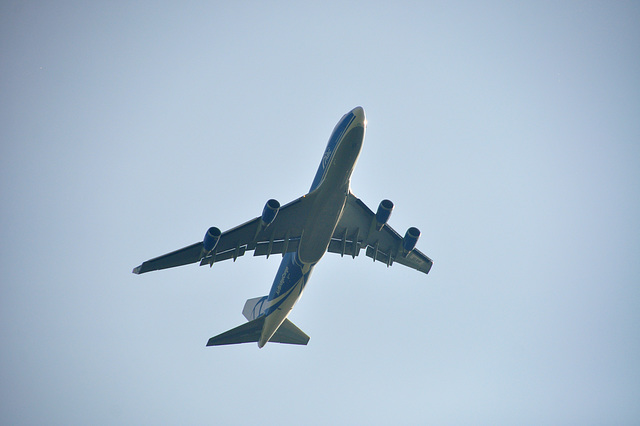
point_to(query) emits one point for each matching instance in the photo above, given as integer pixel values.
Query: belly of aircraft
(320, 225)
(330, 199)
(277, 317)
(286, 290)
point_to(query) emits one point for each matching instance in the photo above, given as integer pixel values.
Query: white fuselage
(329, 192)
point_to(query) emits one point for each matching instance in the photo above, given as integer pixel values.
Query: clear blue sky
(508, 132)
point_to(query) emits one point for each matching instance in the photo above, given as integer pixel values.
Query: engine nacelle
(410, 239)
(269, 212)
(211, 239)
(383, 213)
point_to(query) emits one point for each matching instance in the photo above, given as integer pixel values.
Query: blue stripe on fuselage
(289, 282)
(336, 136)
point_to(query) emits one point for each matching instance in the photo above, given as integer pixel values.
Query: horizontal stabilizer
(289, 333)
(251, 331)
(245, 333)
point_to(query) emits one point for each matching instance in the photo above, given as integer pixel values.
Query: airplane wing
(281, 236)
(357, 229)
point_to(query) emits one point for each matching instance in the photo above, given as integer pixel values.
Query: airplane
(329, 218)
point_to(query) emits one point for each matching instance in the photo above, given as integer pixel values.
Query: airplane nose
(360, 116)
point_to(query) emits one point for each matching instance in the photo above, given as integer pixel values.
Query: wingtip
(136, 270)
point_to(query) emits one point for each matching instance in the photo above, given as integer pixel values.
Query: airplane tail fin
(253, 308)
(251, 331)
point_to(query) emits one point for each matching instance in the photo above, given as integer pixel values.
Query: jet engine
(269, 212)
(410, 239)
(211, 239)
(383, 213)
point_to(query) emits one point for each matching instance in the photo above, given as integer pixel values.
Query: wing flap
(219, 257)
(276, 247)
(414, 259)
(350, 247)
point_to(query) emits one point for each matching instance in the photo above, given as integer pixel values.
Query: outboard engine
(383, 213)
(410, 239)
(269, 213)
(211, 239)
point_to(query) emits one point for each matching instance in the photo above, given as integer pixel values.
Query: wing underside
(356, 230)
(280, 237)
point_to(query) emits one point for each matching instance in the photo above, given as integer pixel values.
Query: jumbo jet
(329, 218)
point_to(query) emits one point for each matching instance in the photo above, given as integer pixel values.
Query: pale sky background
(508, 132)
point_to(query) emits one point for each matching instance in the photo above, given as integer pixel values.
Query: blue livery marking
(336, 136)
(290, 280)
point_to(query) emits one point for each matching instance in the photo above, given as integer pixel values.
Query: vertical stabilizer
(253, 308)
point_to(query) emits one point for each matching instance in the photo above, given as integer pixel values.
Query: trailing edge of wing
(184, 256)
(415, 259)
